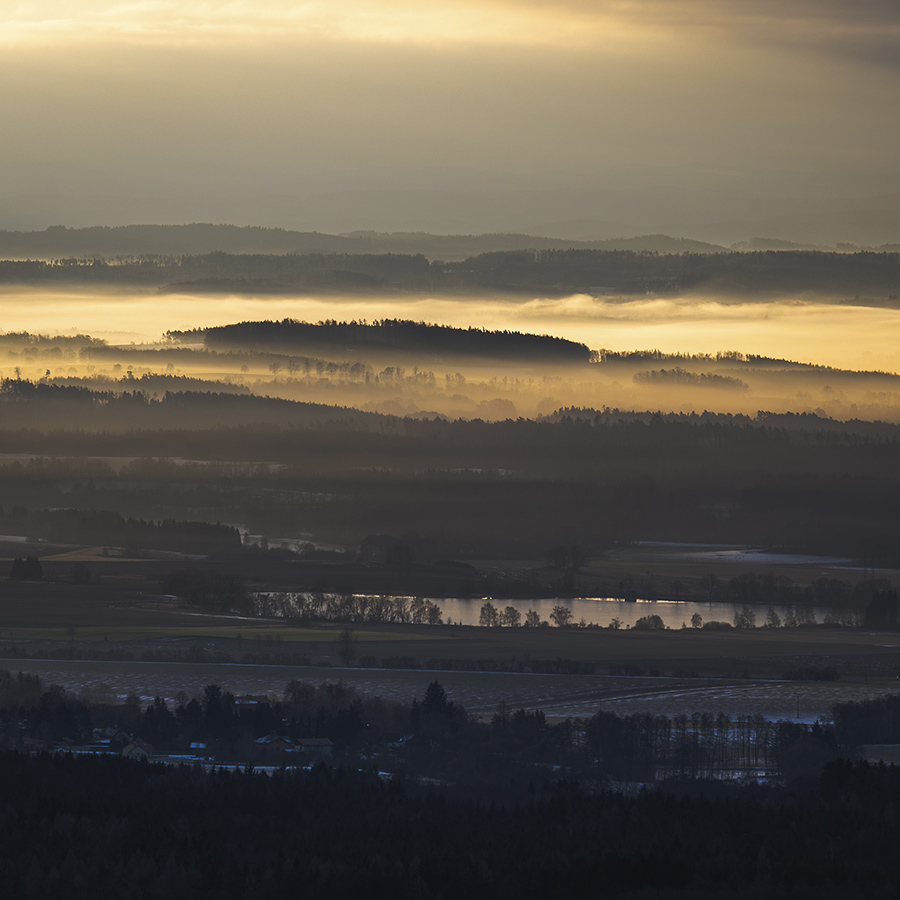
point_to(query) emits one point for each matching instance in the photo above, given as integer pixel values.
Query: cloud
(356, 20)
(166, 97)
(858, 30)
(862, 30)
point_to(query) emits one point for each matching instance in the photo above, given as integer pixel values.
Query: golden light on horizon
(572, 22)
(808, 329)
(395, 21)
(706, 113)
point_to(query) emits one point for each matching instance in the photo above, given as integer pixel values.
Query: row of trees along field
(873, 605)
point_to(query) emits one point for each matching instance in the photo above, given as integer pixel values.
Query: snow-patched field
(478, 692)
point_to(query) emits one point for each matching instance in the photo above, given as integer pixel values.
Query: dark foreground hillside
(87, 827)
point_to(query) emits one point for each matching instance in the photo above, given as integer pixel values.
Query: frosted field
(478, 692)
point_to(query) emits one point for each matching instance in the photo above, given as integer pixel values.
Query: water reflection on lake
(601, 611)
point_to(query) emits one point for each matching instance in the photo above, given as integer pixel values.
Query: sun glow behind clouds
(865, 30)
(355, 20)
(180, 111)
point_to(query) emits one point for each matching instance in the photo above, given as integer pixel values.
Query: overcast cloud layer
(232, 101)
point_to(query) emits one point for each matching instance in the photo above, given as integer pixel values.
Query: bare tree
(489, 616)
(346, 645)
(709, 584)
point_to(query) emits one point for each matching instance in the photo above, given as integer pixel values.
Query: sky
(769, 107)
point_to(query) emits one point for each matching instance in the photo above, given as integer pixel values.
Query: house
(137, 749)
(274, 742)
(315, 748)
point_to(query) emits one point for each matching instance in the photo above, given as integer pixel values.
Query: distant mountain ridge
(201, 238)
(723, 212)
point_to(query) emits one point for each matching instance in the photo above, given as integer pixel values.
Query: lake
(601, 611)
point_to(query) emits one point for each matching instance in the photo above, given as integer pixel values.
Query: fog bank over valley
(701, 344)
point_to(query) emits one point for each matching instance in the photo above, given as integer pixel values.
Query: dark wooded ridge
(104, 241)
(291, 336)
(875, 276)
(454, 489)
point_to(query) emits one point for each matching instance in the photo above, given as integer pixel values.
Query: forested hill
(292, 336)
(28, 404)
(464, 489)
(856, 277)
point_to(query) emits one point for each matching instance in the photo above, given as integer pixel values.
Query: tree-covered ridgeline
(464, 488)
(680, 376)
(874, 275)
(396, 335)
(106, 528)
(125, 240)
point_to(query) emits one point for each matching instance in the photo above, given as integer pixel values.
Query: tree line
(553, 271)
(432, 736)
(473, 489)
(110, 529)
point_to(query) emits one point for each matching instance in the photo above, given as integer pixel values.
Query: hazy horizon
(587, 120)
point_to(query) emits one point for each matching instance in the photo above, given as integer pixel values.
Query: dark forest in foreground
(458, 807)
(74, 828)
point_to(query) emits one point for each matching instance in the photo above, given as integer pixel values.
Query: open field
(661, 571)
(45, 611)
(671, 571)
(481, 693)
(115, 624)
(656, 570)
